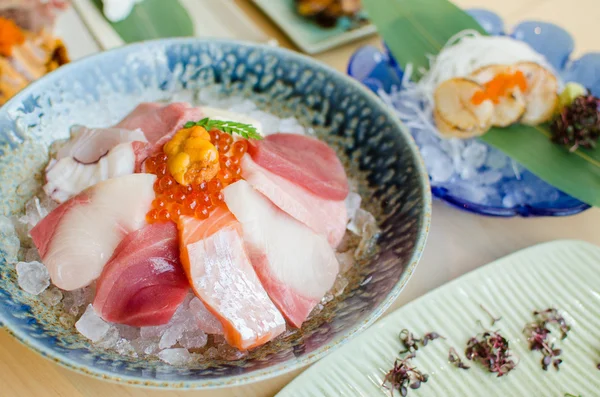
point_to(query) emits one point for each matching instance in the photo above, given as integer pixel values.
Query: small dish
(306, 34)
(507, 195)
(561, 274)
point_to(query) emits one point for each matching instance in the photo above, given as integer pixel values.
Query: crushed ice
(91, 325)
(33, 277)
(465, 168)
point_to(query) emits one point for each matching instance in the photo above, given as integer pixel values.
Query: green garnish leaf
(247, 131)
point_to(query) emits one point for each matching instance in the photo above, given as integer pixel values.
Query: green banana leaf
(412, 29)
(153, 19)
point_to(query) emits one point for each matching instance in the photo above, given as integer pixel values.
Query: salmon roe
(197, 200)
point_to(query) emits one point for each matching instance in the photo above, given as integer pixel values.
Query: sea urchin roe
(201, 196)
(192, 157)
(500, 87)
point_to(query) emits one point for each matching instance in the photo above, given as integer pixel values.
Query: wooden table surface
(458, 241)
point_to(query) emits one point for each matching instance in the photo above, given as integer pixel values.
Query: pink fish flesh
(326, 217)
(143, 283)
(306, 161)
(295, 265)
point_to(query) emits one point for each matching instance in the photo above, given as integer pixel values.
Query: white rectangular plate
(561, 274)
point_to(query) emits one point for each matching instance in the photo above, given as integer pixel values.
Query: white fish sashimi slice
(223, 276)
(88, 145)
(78, 238)
(67, 177)
(295, 265)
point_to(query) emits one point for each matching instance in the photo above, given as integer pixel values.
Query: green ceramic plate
(306, 34)
(562, 274)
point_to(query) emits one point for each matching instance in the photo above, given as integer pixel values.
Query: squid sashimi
(90, 156)
(295, 265)
(326, 217)
(77, 239)
(88, 145)
(219, 270)
(143, 283)
(160, 122)
(306, 161)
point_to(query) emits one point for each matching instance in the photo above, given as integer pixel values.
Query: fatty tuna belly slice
(221, 275)
(295, 265)
(304, 160)
(160, 122)
(326, 217)
(143, 283)
(77, 239)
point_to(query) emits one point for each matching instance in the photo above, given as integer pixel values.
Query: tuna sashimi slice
(219, 269)
(326, 217)
(160, 122)
(295, 265)
(304, 160)
(77, 239)
(143, 283)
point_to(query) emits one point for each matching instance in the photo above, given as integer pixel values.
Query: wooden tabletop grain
(458, 241)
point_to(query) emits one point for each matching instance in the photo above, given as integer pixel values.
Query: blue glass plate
(508, 196)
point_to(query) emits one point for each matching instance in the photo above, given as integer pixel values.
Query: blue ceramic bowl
(530, 196)
(101, 89)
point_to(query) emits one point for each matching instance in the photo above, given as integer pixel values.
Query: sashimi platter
(205, 232)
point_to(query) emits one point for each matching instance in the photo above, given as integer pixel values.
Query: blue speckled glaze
(101, 89)
(378, 70)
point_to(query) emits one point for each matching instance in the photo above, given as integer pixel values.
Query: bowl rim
(289, 365)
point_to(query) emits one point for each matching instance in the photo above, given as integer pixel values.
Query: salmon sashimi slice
(295, 265)
(143, 283)
(326, 217)
(304, 160)
(77, 239)
(221, 275)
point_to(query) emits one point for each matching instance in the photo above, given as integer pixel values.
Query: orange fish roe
(499, 87)
(197, 200)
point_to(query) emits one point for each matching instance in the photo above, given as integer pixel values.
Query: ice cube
(33, 277)
(110, 338)
(153, 332)
(205, 320)
(175, 356)
(438, 163)
(339, 286)
(145, 346)
(496, 160)
(467, 172)
(34, 212)
(91, 325)
(124, 347)
(128, 332)
(346, 260)
(171, 335)
(193, 339)
(352, 204)
(361, 219)
(9, 240)
(51, 297)
(489, 177)
(474, 153)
